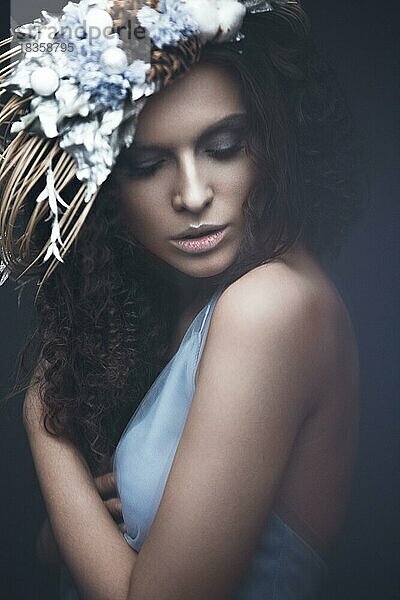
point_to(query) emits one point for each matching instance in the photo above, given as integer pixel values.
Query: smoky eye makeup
(221, 141)
(225, 139)
(225, 145)
(139, 164)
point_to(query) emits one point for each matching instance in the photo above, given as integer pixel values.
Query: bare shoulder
(287, 294)
(296, 316)
(273, 287)
(260, 365)
(275, 296)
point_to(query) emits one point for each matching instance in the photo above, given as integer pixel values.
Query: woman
(222, 370)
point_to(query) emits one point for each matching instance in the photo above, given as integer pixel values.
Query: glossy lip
(194, 231)
(201, 244)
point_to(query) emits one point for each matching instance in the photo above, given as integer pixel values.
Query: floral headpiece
(76, 97)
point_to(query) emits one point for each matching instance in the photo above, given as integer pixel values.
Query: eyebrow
(230, 121)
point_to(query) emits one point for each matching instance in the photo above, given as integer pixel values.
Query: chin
(208, 265)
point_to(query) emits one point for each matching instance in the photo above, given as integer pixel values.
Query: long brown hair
(105, 316)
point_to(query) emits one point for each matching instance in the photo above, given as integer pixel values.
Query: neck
(192, 292)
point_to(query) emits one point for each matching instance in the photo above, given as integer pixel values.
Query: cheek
(235, 180)
(143, 208)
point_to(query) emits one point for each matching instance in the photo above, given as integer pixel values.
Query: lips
(203, 243)
(202, 232)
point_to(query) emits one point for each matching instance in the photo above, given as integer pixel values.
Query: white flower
(49, 114)
(46, 111)
(223, 17)
(110, 121)
(91, 149)
(20, 79)
(81, 134)
(96, 143)
(136, 74)
(77, 11)
(205, 13)
(137, 71)
(138, 92)
(24, 123)
(230, 16)
(72, 101)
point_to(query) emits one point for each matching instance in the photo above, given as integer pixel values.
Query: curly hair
(105, 317)
(103, 328)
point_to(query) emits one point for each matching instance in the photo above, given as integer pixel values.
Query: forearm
(97, 556)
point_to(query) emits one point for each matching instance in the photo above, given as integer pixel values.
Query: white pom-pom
(205, 13)
(230, 16)
(98, 23)
(222, 17)
(44, 81)
(114, 60)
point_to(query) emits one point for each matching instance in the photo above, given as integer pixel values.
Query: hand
(107, 487)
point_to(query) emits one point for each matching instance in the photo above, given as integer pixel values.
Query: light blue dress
(284, 566)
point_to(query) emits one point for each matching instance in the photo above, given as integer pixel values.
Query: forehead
(179, 113)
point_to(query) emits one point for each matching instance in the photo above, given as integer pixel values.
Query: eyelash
(226, 153)
(218, 154)
(146, 171)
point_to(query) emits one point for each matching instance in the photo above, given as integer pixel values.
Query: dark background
(360, 39)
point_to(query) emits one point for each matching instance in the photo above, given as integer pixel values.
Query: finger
(106, 485)
(114, 507)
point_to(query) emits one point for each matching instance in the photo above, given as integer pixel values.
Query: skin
(189, 166)
(274, 419)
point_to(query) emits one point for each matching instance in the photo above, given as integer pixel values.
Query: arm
(248, 407)
(89, 540)
(260, 367)
(46, 546)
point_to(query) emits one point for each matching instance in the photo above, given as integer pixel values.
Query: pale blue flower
(89, 76)
(111, 91)
(169, 24)
(107, 91)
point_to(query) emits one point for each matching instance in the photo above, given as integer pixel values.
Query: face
(189, 167)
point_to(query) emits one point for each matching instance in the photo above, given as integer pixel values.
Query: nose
(193, 191)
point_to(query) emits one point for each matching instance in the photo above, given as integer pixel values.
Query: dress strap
(209, 308)
(203, 329)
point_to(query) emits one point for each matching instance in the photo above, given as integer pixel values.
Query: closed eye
(144, 169)
(225, 152)
(150, 168)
